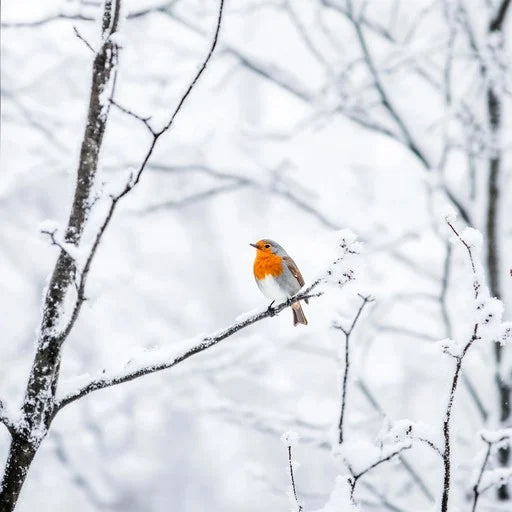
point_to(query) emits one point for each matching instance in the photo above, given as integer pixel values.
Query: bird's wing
(292, 267)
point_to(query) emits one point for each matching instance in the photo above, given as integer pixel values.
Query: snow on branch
(7, 421)
(162, 359)
(486, 325)
(361, 457)
(404, 430)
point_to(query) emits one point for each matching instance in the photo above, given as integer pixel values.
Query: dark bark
(347, 333)
(446, 454)
(20, 457)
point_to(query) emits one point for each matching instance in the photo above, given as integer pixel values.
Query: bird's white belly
(271, 289)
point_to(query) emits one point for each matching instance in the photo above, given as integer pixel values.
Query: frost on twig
(290, 439)
(405, 430)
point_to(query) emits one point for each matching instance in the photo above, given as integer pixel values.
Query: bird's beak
(254, 245)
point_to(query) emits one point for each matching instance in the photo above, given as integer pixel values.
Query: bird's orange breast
(266, 264)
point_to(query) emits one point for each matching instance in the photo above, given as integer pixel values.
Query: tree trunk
(21, 454)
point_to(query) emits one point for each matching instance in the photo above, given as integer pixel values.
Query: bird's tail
(298, 315)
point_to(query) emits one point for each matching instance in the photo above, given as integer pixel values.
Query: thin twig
(347, 333)
(476, 490)
(292, 479)
(458, 368)
(355, 477)
(83, 39)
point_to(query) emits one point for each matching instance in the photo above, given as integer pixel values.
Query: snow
(503, 334)
(118, 39)
(495, 477)
(452, 347)
(404, 430)
(49, 225)
(495, 436)
(473, 238)
(290, 438)
(340, 499)
(449, 213)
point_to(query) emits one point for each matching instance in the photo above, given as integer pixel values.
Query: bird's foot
(270, 310)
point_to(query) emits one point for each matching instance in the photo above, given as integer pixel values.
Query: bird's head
(269, 246)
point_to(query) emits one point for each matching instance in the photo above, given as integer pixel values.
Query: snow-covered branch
(485, 311)
(289, 439)
(162, 361)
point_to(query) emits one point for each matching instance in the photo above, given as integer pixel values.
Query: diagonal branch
(204, 344)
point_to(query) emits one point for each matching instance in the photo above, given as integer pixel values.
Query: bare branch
(244, 180)
(347, 332)
(501, 13)
(44, 21)
(194, 198)
(82, 38)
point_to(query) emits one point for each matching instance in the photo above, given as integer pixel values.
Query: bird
(277, 276)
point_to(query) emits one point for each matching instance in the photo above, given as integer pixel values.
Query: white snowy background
(252, 154)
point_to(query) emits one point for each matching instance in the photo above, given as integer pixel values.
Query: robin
(277, 276)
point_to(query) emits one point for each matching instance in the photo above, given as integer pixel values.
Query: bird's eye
(267, 246)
